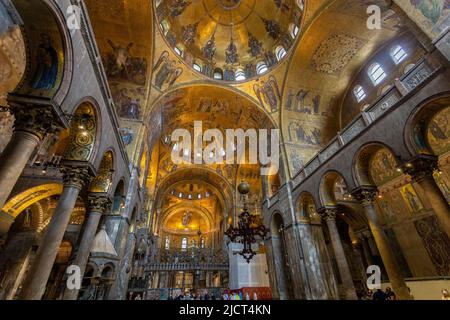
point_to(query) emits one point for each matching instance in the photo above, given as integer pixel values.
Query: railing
(415, 78)
(191, 259)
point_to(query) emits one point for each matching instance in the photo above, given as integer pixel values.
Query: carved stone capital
(77, 177)
(98, 203)
(365, 195)
(421, 167)
(328, 214)
(37, 120)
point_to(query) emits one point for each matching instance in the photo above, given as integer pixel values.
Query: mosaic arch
(46, 50)
(83, 133)
(103, 181)
(20, 202)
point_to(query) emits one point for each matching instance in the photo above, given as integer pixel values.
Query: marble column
(75, 178)
(97, 205)
(421, 170)
(30, 127)
(367, 195)
(329, 215)
(14, 260)
(358, 256)
(366, 250)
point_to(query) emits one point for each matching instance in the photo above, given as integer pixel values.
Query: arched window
(376, 73)
(178, 51)
(197, 67)
(218, 74)
(359, 92)
(167, 244)
(261, 67)
(280, 52)
(293, 30)
(398, 54)
(202, 242)
(240, 75)
(184, 243)
(164, 26)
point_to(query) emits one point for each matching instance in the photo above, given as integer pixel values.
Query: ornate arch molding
(302, 206)
(362, 160)
(85, 132)
(415, 132)
(169, 212)
(25, 199)
(222, 186)
(326, 187)
(272, 217)
(229, 89)
(47, 39)
(103, 181)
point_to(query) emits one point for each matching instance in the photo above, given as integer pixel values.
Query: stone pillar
(97, 205)
(14, 261)
(366, 250)
(75, 178)
(6, 222)
(367, 195)
(421, 170)
(30, 127)
(357, 253)
(329, 215)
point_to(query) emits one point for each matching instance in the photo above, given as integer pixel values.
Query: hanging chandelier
(250, 228)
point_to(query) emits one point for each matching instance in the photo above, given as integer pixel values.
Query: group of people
(205, 295)
(380, 295)
(388, 294)
(193, 296)
(239, 296)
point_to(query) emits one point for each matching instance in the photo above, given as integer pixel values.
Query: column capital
(98, 202)
(76, 176)
(366, 195)
(35, 119)
(328, 213)
(421, 167)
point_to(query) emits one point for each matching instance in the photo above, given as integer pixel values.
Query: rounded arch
(171, 92)
(108, 271)
(306, 207)
(327, 187)
(84, 133)
(133, 220)
(221, 185)
(23, 200)
(362, 162)
(118, 197)
(420, 123)
(203, 212)
(104, 178)
(47, 37)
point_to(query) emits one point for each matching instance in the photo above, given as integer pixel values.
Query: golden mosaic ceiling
(230, 40)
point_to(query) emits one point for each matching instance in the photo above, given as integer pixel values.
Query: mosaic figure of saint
(47, 70)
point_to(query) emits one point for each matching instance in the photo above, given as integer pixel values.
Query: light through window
(184, 244)
(398, 54)
(360, 94)
(167, 245)
(261, 68)
(240, 75)
(280, 52)
(376, 73)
